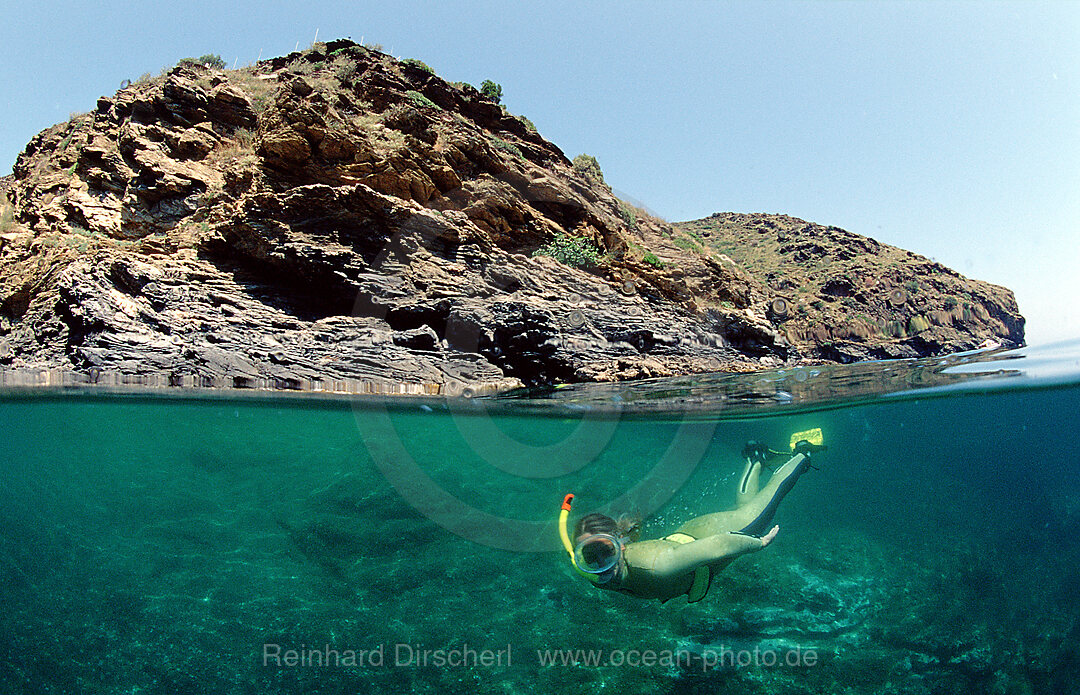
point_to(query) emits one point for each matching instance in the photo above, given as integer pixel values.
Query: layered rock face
(845, 297)
(339, 217)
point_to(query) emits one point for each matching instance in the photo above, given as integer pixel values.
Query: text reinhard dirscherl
(397, 655)
(404, 655)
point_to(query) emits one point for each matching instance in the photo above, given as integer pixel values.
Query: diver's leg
(758, 513)
(748, 483)
(746, 490)
(754, 516)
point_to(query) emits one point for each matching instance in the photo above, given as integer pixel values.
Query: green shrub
(344, 67)
(507, 146)
(419, 99)
(418, 64)
(491, 90)
(626, 213)
(652, 260)
(577, 252)
(587, 166)
(210, 60)
(688, 244)
(528, 124)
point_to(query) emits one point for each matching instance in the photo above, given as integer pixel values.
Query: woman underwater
(685, 561)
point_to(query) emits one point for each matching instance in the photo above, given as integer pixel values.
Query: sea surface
(209, 541)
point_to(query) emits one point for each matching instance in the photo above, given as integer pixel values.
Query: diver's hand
(768, 537)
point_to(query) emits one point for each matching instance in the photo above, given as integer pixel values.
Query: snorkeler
(607, 554)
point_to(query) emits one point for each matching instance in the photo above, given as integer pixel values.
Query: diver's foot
(806, 448)
(768, 537)
(754, 452)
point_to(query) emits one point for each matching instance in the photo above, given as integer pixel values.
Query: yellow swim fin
(814, 437)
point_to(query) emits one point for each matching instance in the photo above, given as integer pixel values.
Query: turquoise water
(177, 543)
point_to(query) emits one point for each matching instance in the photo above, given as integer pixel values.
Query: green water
(186, 545)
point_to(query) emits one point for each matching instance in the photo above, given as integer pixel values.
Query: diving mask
(597, 553)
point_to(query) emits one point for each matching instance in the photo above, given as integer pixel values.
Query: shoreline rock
(336, 214)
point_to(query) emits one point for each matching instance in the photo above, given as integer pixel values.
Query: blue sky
(949, 129)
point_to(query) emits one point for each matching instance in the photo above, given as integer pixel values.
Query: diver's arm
(704, 551)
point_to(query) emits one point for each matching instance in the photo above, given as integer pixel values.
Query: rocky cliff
(845, 297)
(336, 218)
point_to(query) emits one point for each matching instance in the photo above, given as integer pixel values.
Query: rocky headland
(338, 219)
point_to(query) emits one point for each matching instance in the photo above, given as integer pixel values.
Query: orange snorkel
(564, 514)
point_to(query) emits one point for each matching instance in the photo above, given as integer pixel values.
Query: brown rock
(313, 220)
